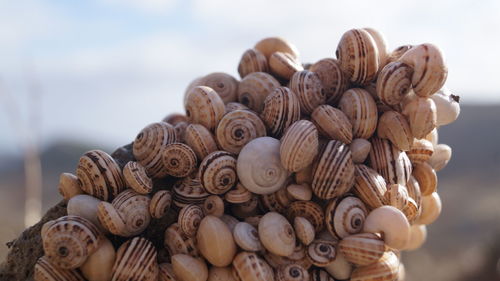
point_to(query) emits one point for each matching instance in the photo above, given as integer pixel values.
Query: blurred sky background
(100, 70)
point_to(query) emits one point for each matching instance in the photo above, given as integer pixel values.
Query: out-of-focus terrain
(463, 244)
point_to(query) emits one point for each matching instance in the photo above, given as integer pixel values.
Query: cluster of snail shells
(296, 172)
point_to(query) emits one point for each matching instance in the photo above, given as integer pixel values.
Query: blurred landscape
(463, 244)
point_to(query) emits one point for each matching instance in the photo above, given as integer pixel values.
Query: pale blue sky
(106, 68)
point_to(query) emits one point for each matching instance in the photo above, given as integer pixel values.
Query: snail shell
(160, 204)
(230, 221)
(420, 151)
(393, 126)
(429, 69)
(361, 109)
(175, 118)
(360, 148)
(148, 145)
(440, 157)
(385, 269)
(340, 268)
(166, 272)
(232, 106)
(187, 268)
(237, 128)
(394, 82)
(189, 191)
(246, 209)
(291, 272)
(276, 234)
(85, 206)
(46, 271)
(381, 43)
(358, 56)
(321, 252)
(332, 77)
(391, 223)
(413, 189)
(238, 195)
(99, 265)
(281, 109)
(299, 257)
(99, 175)
(304, 230)
(224, 84)
(69, 186)
(254, 89)
(204, 106)
(250, 267)
(392, 163)
(200, 139)
(369, 186)
(189, 219)
(194, 83)
(179, 160)
(307, 86)
(247, 237)
(426, 178)
(447, 106)
(362, 249)
(309, 210)
(177, 242)
(69, 240)
(215, 241)
(411, 210)
(333, 173)
(421, 114)
(396, 196)
(213, 205)
(136, 178)
(284, 65)
(345, 216)
(431, 209)
(332, 123)
(180, 131)
(252, 61)
(299, 192)
(304, 176)
(277, 201)
(218, 172)
(259, 166)
(418, 235)
(269, 45)
(299, 145)
(318, 274)
(220, 274)
(398, 52)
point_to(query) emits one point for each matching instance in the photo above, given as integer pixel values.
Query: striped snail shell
(281, 109)
(304, 230)
(160, 203)
(69, 240)
(332, 77)
(360, 148)
(358, 56)
(384, 269)
(176, 242)
(166, 272)
(46, 271)
(252, 61)
(299, 145)
(180, 131)
(215, 241)
(411, 210)
(420, 151)
(189, 219)
(398, 52)
(148, 145)
(99, 265)
(213, 205)
(269, 45)
(426, 178)
(246, 209)
(392, 163)
(232, 106)
(321, 252)
(310, 211)
(128, 214)
(238, 195)
(276, 234)
(69, 186)
(224, 84)
(394, 126)
(175, 118)
(220, 274)
(136, 178)
(345, 216)
(200, 139)
(179, 160)
(414, 192)
(299, 192)
(136, 260)
(204, 106)
(333, 173)
(250, 267)
(394, 82)
(291, 272)
(188, 268)
(332, 123)
(194, 83)
(318, 274)
(362, 249)
(254, 89)
(369, 186)
(429, 70)
(421, 114)
(99, 175)
(247, 237)
(361, 109)
(307, 86)
(277, 201)
(218, 172)
(284, 65)
(381, 43)
(259, 166)
(299, 257)
(189, 191)
(237, 128)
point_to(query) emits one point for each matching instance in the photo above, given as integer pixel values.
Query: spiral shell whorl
(217, 172)
(237, 128)
(345, 216)
(281, 109)
(179, 160)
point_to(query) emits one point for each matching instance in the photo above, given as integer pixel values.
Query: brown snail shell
(396, 196)
(187, 268)
(420, 151)
(421, 114)
(160, 203)
(204, 106)
(253, 220)
(85, 206)
(414, 192)
(180, 131)
(299, 257)
(99, 175)
(318, 274)
(361, 109)
(276, 234)
(345, 216)
(360, 148)
(305, 175)
(291, 272)
(299, 145)
(307, 86)
(179, 160)
(99, 265)
(269, 45)
(189, 219)
(418, 235)
(218, 172)
(281, 109)
(232, 106)
(177, 242)
(385, 269)
(426, 178)
(369, 186)
(215, 241)
(69, 186)
(237, 128)
(250, 267)
(309, 210)
(394, 126)
(200, 139)
(230, 221)
(166, 272)
(392, 163)
(394, 82)
(358, 56)
(411, 210)
(148, 146)
(189, 191)
(224, 84)
(431, 209)
(220, 274)
(391, 223)
(440, 157)
(252, 61)
(362, 249)
(340, 268)
(381, 43)
(398, 52)
(46, 271)
(136, 178)
(284, 65)
(304, 230)
(333, 173)
(247, 237)
(332, 123)
(213, 205)
(238, 195)
(254, 89)
(246, 209)
(332, 77)
(321, 252)
(277, 201)
(175, 118)
(299, 192)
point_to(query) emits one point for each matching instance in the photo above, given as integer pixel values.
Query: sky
(101, 70)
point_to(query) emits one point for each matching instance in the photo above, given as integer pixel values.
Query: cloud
(150, 6)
